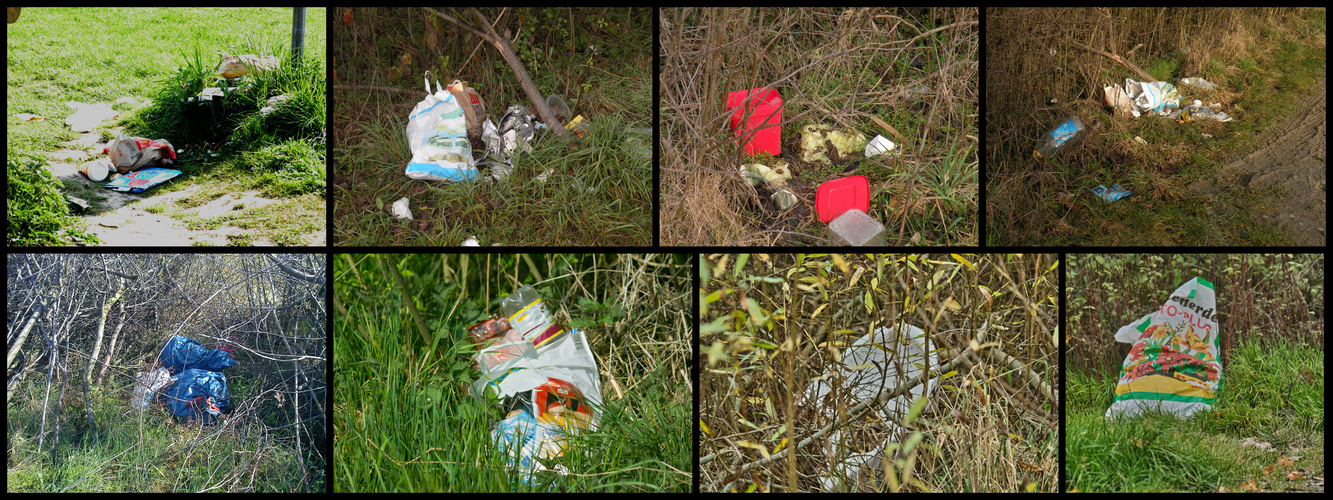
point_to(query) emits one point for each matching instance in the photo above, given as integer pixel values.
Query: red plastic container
(758, 111)
(839, 195)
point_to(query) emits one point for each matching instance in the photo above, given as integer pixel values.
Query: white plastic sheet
(879, 361)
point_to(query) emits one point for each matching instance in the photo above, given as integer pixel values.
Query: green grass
(169, 55)
(141, 452)
(1264, 395)
(612, 91)
(404, 420)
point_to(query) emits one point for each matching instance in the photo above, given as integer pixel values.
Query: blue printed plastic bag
(197, 395)
(183, 353)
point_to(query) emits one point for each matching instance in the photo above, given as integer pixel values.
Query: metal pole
(298, 35)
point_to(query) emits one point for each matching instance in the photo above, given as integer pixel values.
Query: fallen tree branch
(1143, 74)
(538, 101)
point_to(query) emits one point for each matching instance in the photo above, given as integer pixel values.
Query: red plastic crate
(839, 195)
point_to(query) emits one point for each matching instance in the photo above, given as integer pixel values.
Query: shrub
(37, 213)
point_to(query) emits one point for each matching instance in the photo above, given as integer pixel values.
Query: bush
(37, 213)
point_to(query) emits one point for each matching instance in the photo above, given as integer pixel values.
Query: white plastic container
(855, 228)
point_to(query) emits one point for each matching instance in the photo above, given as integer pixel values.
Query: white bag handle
(426, 78)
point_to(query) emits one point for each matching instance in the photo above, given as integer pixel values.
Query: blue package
(183, 353)
(1116, 192)
(198, 395)
(141, 180)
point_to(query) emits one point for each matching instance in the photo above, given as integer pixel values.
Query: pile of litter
(544, 376)
(197, 391)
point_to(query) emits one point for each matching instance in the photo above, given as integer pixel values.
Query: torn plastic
(878, 361)
(146, 386)
(401, 209)
(1197, 111)
(815, 139)
(880, 145)
(1159, 98)
(1174, 367)
(1197, 82)
(546, 379)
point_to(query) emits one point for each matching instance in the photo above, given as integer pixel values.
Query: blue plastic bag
(183, 353)
(197, 395)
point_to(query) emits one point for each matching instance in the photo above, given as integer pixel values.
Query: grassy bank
(1262, 61)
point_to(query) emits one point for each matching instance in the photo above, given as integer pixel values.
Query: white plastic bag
(1173, 367)
(147, 385)
(437, 136)
(871, 365)
(545, 376)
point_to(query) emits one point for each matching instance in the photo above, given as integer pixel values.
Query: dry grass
(840, 67)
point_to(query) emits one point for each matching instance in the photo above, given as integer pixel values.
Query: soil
(1288, 174)
(123, 219)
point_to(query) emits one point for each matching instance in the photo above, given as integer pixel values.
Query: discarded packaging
(1197, 82)
(1116, 192)
(516, 128)
(880, 145)
(834, 197)
(245, 64)
(855, 228)
(815, 139)
(784, 198)
(559, 107)
(1198, 111)
(471, 241)
(474, 108)
(141, 180)
(1119, 101)
(133, 153)
(29, 117)
(146, 386)
(1140, 140)
(401, 210)
(437, 136)
(1061, 138)
(97, 170)
(757, 173)
(1174, 367)
(755, 117)
(548, 382)
(879, 361)
(1152, 97)
(182, 353)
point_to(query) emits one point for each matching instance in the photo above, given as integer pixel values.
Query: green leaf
(915, 411)
(741, 260)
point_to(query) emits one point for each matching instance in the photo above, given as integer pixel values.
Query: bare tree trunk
(538, 101)
(111, 349)
(23, 336)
